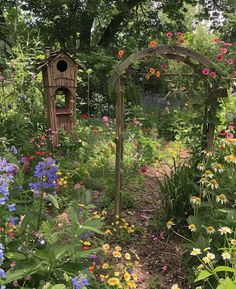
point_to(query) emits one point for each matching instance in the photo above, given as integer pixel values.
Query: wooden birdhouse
(60, 83)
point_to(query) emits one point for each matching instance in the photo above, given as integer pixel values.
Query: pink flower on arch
(169, 34)
(216, 40)
(223, 50)
(105, 119)
(213, 74)
(219, 56)
(230, 61)
(205, 71)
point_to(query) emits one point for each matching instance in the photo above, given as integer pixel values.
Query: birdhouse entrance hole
(62, 65)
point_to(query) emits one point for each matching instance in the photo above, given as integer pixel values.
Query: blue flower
(85, 281)
(11, 207)
(76, 282)
(2, 274)
(3, 287)
(13, 221)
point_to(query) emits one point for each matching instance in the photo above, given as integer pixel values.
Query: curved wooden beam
(175, 52)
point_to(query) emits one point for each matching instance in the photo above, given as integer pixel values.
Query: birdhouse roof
(53, 55)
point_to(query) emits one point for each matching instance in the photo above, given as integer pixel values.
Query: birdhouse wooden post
(60, 84)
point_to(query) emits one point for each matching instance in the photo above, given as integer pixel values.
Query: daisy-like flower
(105, 266)
(210, 230)
(224, 230)
(192, 228)
(208, 174)
(233, 242)
(195, 252)
(169, 224)
(175, 286)
(221, 199)
(206, 260)
(217, 168)
(116, 254)
(118, 248)
(226, 256)
(203, 181)
(230, 159)
(200, 267)
(127, 256)
(211, 256)
(213, 184)
(200, 167)
(105, 247)
(195, 200)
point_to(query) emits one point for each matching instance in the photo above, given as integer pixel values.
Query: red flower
(86, 248)
(223, 133)
(216, 39)
(219, 56)
(223, 50)
(180, 34)
(206, 71)
(164, 67)
(143, 170)
(147, 76)
(84, 116)
(120, 53)
(40, 153)
(227, 44)
(181, 41)
(230, 61)
(30, 158)
(152, 70)
(153, 44)
(213, 74)
(169, 34)
(95, 131)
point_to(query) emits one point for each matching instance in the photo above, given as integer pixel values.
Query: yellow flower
(117, 274)
(127, 256)
(108, 232)
(131, 284)
(105, 266)
(106, 248)
(200, 166)
(116, 254)
(210, 230)
(192, 228)
(225, 230)
(126, 287)
(127, 276)
(130, 230)
(200, 267)
(118, 248)
(113, 281)
(135, 277)
(213, 184)
(195, 252)
(175, 286)
(231, 159)
(217, 167)
(221, 199)
(169, 224)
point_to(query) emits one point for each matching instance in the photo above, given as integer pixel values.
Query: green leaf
(224, 269)
(226, 284)
(53, 200)
(203, 275)
(15, 256)
(89, 228)
(59, 286)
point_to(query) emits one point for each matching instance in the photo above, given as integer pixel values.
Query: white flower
(213, 184)
(210, 256)
(217, 167)
(224, 230)
(200, 167)
(221, 199)
(195, 200)
(175, 286)
(208, 174)
(195, 252)
(226, 256)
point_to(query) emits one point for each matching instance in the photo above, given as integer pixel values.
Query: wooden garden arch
(181, 54)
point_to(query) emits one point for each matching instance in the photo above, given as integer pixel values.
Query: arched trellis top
(185, 55)
(177, 53)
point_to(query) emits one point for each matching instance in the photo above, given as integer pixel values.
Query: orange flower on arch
(152, 43)
(147, 76)
(152, 70)
(120, 53)
(158, 74)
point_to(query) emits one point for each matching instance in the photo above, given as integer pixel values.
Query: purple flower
(2, 274)
(13, 221)
(11, 207)
(85, 281)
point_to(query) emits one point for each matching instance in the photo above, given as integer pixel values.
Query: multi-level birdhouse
(60, 83)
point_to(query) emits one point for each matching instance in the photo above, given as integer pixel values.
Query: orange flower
(120, 53)
(158, 74)
(91, 268)
(153, 44)
(147, 76)
(152, 70)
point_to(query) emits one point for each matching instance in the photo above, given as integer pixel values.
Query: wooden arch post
(182, 54)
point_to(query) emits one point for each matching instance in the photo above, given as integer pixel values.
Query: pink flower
(164, 67)
(230, 127)
(227, 44)
(230, 61)
(169, 34)
(219, 56)
(223, 50)
(216, 39)
(164, 268)
(206, 71)
(213, 74)
(223, 132)
(105, 119)
(229, 135)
